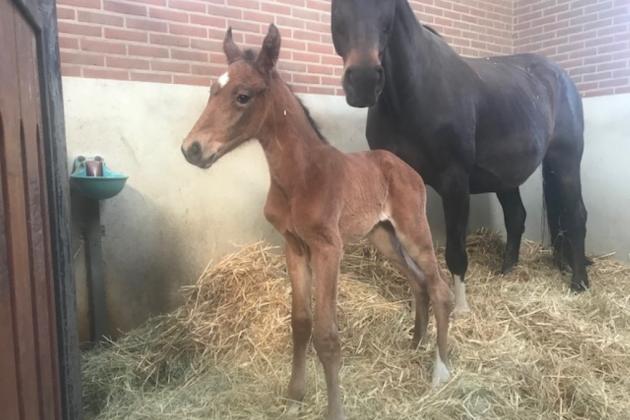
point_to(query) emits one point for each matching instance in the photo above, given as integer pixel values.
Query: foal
(319, 199)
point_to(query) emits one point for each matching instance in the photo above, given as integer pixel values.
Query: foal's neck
(287, 137)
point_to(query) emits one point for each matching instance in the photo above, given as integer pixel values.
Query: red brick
(125, 8)
(127, 63)
(71, 71)
(103, 46)
(173, 40)
(188, 55)
(194, 31)
(214, 21)
(65, 13)
(167, 14)
(92, 4)
(214, 10)
(151, 77)
(102, 18)
(78, 29)
(191, 80)
(170, 66)
(100, 73)
(191, 6)
(81, 58)
(147, 51)
(68, 43)
(276, 9)
(206, 45)
(146, 24)
(320, 90)
(113, 33)
(207, 70)
(245, 4)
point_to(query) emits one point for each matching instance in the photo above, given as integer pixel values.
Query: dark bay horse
(467, 125)
(319, 199)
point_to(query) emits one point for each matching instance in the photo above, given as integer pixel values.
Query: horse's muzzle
(363, 84)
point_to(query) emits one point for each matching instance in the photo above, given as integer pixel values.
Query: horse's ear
(231, 50)
(270, 50)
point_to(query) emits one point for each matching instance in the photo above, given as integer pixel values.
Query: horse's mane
(430, 29)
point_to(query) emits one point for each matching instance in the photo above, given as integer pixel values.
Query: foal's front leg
(325, 260)
(301, 317)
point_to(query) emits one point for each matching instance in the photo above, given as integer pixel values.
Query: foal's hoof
(461, 310)
(441, 375)
(292, 410)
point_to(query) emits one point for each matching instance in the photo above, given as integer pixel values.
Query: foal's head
(237, 106)
(360, 31)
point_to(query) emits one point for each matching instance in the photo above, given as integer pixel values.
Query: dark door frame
(42, 15)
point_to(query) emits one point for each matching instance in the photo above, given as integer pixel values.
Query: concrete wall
(173, 218)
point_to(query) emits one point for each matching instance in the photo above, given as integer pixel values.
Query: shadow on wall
(143, 287)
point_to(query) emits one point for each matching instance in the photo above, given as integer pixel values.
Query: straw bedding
(529, 350)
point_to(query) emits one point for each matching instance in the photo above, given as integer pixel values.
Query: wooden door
(30, 380)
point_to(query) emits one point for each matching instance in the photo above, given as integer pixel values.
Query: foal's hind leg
(412, 230)
(514, 216)
(301, 317)
(384, 239)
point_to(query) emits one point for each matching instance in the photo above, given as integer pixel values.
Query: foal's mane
(249, 56)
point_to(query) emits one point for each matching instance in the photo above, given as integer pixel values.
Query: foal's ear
(270, 50)
(231, 50)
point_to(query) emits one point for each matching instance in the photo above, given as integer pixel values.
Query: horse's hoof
(507, 267)
(579, 287)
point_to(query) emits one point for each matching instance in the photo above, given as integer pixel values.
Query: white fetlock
(440, 371)
(461, 304)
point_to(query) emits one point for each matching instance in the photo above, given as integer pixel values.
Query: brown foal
(320, 199)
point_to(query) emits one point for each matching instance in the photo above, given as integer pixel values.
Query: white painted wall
(172, 218)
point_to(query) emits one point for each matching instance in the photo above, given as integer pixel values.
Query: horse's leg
(301, 318)
(514, 216)
(559, 243)
(413, 232)
(384, 239)
(325, 260)
(562, 179)
(456, 201)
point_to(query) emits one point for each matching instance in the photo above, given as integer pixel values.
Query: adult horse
(467, 125)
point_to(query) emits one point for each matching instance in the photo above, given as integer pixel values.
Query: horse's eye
(242, 99)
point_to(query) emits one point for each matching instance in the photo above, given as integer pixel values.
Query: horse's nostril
(194, 150)
(380, 73)
(349, 74)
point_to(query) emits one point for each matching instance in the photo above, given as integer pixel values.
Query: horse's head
(360, 31)
(237, 104)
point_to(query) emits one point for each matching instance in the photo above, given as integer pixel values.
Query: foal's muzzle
(194, 155)
(363, 84)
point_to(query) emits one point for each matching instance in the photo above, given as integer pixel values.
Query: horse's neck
(414, 57)
(287, 139)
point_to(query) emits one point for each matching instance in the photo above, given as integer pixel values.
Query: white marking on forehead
(223, 79)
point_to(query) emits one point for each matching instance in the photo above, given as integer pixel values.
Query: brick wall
(589, 38)
(179, 41)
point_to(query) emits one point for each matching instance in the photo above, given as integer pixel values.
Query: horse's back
(524, 100)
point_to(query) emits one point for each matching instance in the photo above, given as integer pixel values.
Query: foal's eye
(242, 98)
